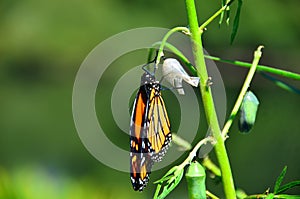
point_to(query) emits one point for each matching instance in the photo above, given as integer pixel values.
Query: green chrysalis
(195, 177)
(248, 112)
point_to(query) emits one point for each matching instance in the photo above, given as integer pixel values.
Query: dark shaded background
(43, 43)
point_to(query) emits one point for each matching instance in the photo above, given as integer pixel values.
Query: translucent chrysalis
(174, 73)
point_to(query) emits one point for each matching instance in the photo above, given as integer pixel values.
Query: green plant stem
(208, 193)
(259, 67)
(165, 38)
(257, 55)
(208, 102)
(208, 164)
(214, 16)
(193, 153)
(257, 196)
(183, 144)
(178, 53)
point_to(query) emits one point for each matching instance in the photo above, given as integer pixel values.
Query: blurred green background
(43, 43)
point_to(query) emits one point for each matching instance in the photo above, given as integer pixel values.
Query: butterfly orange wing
(149, 131)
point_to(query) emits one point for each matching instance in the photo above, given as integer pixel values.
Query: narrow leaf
(150, 53)
(168, 186)
(222, 14)
(281, 84)
(279, 179)
(168, 175)
(288, 186)
(236, 21)
(227, 11)
(158, 187)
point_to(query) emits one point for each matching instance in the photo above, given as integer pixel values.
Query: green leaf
(227, 11)
(168, 182)
(236, 21)
(168, 175)
(288, 186)
(281, 84)
(223, 13)
(279, 179)
(150, 53)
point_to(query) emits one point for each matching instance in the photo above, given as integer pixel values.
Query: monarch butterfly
(150, 134)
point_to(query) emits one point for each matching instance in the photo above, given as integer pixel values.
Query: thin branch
(165, 38)
(257, 56)
(268, 69)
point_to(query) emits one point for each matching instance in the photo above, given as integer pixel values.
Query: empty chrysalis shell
(248, 112)
(195, 176)
(174, 73)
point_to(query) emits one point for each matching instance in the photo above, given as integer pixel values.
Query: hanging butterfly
(150, 134)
